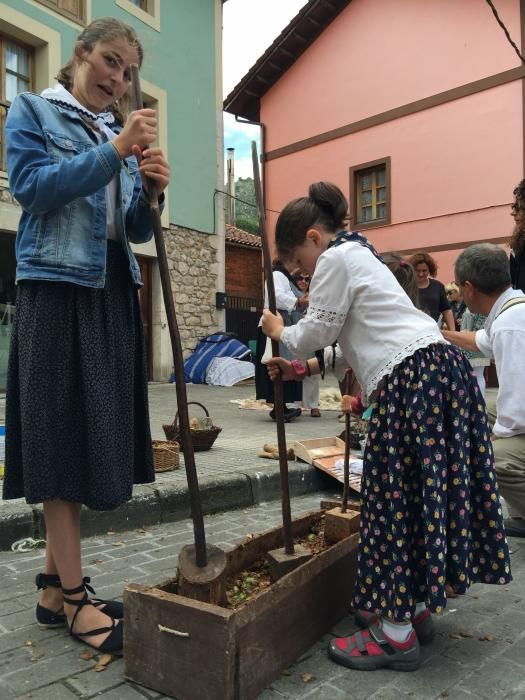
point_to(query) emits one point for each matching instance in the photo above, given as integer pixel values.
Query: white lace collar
(60, 96)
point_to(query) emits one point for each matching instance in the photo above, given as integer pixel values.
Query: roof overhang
(245, 98)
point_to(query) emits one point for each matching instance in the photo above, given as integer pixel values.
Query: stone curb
(152, 504)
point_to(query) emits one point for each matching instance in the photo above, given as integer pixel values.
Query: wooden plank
(308, 450)
(166, 638)
(329, 503)
(250, 549)
(327, 465)
(338, 526)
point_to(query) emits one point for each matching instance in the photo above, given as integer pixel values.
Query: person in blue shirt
(77, 425)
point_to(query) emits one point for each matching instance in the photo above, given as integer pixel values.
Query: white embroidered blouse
(356, 300)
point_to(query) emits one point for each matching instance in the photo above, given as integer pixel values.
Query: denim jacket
(58, 172)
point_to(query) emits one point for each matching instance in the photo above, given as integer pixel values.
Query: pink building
(415, 109)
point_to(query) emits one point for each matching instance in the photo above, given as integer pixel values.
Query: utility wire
(250, 204)
(238, 199)
(509, 38)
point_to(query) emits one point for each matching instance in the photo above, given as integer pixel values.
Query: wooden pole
(346, 464)
(278, 382)
(201, 558)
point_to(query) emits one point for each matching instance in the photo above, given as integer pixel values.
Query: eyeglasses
(305, 278)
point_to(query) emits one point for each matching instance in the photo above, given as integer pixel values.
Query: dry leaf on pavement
(486, 638)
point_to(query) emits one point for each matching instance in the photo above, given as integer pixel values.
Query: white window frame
(151, 18)
(46, 43)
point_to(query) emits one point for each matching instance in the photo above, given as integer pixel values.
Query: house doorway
(7, 299)
(242, 318)
(145, 299)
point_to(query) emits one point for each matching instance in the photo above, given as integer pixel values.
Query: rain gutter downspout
(262, 128)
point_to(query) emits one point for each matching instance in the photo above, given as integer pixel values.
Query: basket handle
(195, 403)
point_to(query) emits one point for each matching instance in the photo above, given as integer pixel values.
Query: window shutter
(72, 9)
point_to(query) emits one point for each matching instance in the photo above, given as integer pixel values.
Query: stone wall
(6, 196)
(192, 260)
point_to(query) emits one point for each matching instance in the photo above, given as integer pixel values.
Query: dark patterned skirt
(77, 423)
(431, 513)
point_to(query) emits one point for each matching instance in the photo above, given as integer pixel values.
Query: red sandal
(370, 650)
(422, 623)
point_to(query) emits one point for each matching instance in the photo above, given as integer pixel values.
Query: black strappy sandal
(47, 619)
(114, 641)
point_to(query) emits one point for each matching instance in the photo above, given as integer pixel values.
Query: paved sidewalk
(230, 474)
(479, 652)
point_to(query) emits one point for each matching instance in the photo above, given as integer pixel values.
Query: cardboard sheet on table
(319, 448)
(327, 465)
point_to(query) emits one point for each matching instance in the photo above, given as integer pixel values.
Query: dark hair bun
(331, 200)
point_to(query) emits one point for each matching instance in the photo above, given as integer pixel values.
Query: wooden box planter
(197, 651)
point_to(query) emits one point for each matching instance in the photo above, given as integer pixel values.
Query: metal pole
(278, 383)
(201, 558)
(346, 464)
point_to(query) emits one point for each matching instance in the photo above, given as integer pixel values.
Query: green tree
(246, 210)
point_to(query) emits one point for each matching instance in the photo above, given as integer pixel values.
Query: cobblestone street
(479, 651)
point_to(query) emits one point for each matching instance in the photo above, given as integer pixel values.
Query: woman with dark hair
(77, 424)
(430, 508)
(405, 274)
(517, 240)
(432, 295)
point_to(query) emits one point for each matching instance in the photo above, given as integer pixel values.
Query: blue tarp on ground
(215, 345)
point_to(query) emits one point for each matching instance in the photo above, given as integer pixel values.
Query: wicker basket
(202, 439)
(165, 455)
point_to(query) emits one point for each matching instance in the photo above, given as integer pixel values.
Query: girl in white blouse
(430, 513)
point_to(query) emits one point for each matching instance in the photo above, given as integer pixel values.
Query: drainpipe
(262, 139)
(230, 186)
(220, 268)
(262, 129)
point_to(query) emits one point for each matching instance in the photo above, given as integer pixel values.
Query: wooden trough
(196, 651)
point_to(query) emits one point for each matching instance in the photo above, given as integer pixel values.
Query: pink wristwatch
(299, 369)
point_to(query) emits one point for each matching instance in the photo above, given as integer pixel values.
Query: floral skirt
(431, 513)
